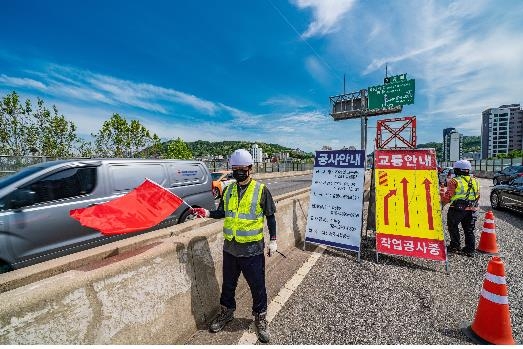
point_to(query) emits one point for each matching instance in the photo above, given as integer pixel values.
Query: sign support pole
(446, 252)
(364, 148)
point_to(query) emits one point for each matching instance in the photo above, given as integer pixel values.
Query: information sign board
(336, 200)
(392, 94)
(408, 210)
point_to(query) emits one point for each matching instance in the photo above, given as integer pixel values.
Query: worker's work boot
(225, 316)
(262, 330)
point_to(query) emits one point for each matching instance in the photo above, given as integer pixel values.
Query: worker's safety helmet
(463, 165)
(241, 157)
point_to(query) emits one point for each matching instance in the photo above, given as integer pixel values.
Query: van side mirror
(22, 197)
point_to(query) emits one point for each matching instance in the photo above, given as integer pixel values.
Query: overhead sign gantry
(388, 98)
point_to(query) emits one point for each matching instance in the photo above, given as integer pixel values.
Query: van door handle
(91, 205)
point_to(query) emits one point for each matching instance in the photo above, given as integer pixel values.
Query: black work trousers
(253, 269)
(467, 219)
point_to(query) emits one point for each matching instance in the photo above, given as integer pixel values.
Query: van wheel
(5, 267)
(183, 217)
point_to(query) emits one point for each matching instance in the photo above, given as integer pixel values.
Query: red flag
(142, 208)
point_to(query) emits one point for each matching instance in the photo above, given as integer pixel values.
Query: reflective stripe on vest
(243, 219)
(462, 188)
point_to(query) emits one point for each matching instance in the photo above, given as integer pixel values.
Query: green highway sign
(399, 91)
(394, 79)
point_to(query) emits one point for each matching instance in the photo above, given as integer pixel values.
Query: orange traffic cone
(492, 324)
(487, 241)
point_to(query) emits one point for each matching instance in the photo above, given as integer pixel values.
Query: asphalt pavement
(397, 300)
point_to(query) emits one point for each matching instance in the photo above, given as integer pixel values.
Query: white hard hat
(241, 157)
(463, 165)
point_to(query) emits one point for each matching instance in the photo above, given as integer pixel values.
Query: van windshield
(5, 181)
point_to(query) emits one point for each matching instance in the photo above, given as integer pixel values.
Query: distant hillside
(225, 148)
(470, 144)
(435, 145)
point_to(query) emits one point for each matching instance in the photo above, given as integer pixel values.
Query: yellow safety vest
(462, 189)
(244, 219)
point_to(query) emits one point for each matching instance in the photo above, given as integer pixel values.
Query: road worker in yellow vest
(463, 195)
(244, 205)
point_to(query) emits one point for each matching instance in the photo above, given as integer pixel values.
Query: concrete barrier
(156, 288)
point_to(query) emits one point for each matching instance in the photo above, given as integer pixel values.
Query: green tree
(437, 146)
(178, 149)
(16, 136)
(42, 132)
(156, 148)
(113, 138)
(119, 138)
(518, 153)
(53, 135)
(86, 149)
(140, 137)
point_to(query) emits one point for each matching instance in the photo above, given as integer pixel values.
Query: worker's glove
(272, 247)
(199, 212)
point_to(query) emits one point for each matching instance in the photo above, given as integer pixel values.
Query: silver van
(35, 224)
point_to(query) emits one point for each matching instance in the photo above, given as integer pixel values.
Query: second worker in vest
(244, 205)
(463, 195)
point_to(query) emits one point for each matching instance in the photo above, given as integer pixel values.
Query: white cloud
(307, 118)
(317, 69)
(89, 119)
(82, 85)
(465, 56)
(242, 118)
(21, 82)
(138, 93)
(284, 129)
(327, 15)
(287, 102)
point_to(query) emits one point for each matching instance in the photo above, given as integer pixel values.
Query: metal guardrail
(11, 164)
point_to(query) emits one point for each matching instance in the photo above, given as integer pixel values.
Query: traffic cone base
(467, 331)
(487, 241)
(492, 323)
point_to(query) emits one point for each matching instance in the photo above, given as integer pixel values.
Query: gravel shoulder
(400, 300)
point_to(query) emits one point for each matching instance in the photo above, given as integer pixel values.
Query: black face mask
(240, 175)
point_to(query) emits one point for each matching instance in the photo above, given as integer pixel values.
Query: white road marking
(249, 336)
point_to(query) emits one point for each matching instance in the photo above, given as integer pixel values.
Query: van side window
(63, 184)
(60, 185)
(128, 177)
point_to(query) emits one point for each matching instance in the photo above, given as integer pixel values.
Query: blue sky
(261, 70)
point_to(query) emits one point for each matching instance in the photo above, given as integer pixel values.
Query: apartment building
(257, 153)
(501, 130)
(452, 145)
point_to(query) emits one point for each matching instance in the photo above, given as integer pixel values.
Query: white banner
(336, 200)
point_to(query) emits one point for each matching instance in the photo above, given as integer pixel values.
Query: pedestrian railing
(263, 167)
(492, 165)
(10, 164)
